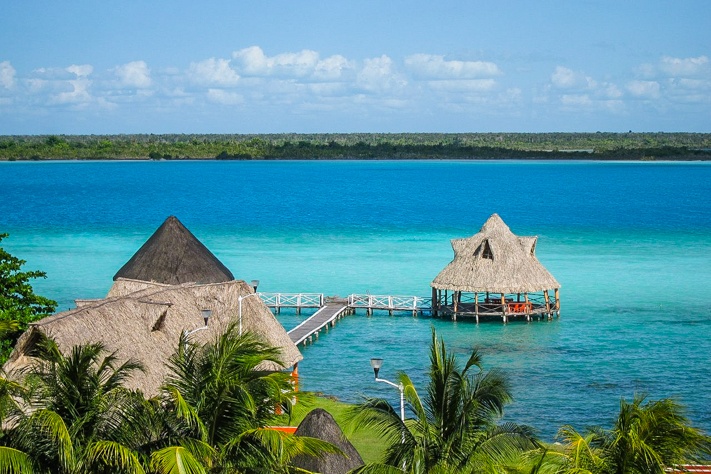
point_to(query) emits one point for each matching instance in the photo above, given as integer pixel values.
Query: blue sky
(273, 66)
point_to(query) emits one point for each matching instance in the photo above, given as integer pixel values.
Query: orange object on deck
(283, 429)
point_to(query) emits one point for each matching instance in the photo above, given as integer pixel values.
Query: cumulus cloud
(134, 74)
(213, 71)
(254, 62)
(7, 75)
(332, 68)
(83, 70)
(303, 64)
(379, 74)
(221, 96)
(564, 78)
(648, 89)
(436, 67)
(683, 66)
(78, 95)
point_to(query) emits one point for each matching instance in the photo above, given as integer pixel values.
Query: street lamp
(206, 314)
(376, 364)
(239, 300)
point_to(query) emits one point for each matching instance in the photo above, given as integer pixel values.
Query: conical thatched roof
(320, 424)
(143, 321)
(173, 255)
(497, 261)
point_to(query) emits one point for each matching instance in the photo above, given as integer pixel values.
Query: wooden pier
(330, 309)
(309, 329)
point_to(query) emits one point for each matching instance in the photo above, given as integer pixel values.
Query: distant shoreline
(362, 146)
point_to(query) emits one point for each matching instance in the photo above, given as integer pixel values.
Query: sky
(388, 66)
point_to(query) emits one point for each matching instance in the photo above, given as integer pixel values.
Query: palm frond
(176, 460)
(110, 454)
(13, 461)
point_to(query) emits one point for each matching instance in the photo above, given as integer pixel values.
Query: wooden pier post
(548, 304)
(503, 308)
(557, 302)
(476, 307)
(435, 302)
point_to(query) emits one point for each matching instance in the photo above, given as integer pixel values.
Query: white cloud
(436, 67)
(221, 96)
(564, 77)
(378, 74)
(253, 61)
(79, 93)
(303, 64)
(332, 68)
(81, 70)
(134, 74)
(7, 75)
(683, 66)
(650, 89)
(213, 71)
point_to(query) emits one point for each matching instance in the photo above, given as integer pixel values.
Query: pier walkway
(414, 304)
(305, 332)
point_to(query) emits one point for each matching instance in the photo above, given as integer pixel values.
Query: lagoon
(630, 244)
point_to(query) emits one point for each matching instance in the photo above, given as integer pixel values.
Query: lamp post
(206, 314)
(239, 301)
(376, 364)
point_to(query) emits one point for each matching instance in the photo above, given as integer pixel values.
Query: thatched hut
(173, 255)
(144, 320)
(495, 273)
(320, 424)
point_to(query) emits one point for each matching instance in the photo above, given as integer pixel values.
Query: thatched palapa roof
(173, 255)
(320, 424)
(143, 321)
(497, 261)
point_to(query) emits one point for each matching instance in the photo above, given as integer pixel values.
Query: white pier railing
(390, 303)
(292, 300)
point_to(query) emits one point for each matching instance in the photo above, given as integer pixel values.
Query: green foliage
(219, 394)
(73, 411)
(19, 305)
(647, 437)
(454, 428)
(603, 146)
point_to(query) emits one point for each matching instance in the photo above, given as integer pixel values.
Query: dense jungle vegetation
(596, 146)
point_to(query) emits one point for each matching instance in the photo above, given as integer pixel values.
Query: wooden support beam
(476, 307)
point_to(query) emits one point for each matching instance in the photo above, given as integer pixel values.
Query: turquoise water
(629, 242)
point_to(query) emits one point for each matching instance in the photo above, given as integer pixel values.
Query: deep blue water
(629, 242)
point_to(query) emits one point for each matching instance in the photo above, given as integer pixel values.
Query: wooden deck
(309, 329)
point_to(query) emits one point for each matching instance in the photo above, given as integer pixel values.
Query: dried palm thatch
(143, 321)
(495, 260)
(173, 255)
(320, 424)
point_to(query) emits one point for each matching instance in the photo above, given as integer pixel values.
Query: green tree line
(629, 146)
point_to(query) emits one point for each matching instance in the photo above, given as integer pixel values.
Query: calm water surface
(629, 242)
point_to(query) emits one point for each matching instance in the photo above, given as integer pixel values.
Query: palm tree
(647, 437)
(454, 428)
(73, 407)
(219, 398)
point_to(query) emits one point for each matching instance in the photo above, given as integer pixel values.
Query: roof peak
(173, 255)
